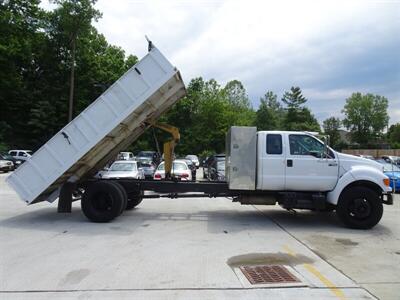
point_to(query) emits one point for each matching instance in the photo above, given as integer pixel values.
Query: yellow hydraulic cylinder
(169, 146)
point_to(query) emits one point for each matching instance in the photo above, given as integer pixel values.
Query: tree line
(52, 61)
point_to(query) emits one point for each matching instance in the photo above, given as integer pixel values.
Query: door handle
(333, 164)
(289, 163)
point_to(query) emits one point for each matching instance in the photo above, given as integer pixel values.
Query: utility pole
(72, 80)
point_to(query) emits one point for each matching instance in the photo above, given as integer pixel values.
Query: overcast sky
(329, 49)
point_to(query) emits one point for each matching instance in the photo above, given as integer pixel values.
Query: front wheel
(359, 208)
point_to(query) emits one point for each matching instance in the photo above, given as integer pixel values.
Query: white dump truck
(293, 169)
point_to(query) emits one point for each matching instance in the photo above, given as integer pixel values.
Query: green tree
(73, 19)
(21, 45)
(298, 117)
(206, 113)
(394, 136)
(331, 127)
(366, 117)
(294, 99)
(35, 68)
(270, 113)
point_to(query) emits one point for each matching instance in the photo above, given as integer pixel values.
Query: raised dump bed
(111, 123)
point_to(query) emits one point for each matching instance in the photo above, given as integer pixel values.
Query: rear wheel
(359, 208)
(134, 200)
(102, 202)
(125, 196)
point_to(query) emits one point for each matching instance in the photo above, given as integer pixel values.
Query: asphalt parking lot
(192, 249)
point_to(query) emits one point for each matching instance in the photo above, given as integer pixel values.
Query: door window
(306, 145)
(274, 144)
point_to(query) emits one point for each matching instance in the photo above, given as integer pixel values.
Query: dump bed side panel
(241, 153)
(112, 122)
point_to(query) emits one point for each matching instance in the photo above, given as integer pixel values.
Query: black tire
(134, 200)
(359, 208)
(125, 195)
(102, 202)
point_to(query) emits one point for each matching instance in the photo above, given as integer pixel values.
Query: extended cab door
(270, 161)
(307, 167)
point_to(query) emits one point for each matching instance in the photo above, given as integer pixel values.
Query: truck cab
(300, 171)
(299, 161)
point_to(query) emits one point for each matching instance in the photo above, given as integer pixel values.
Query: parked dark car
(148, 156)
(15, 161)
(149, 169)
(192, 167)
(217, 170)
(209, 162)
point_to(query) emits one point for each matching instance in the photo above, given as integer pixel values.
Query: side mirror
(106, 168)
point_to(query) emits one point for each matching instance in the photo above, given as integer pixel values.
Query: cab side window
(304, 145)
(274, 144)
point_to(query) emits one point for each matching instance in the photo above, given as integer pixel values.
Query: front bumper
(7, 168)
(387, 199)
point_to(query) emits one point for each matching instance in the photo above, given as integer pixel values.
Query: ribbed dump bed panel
(116, 119)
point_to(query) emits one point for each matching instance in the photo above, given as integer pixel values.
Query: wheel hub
(360, 208)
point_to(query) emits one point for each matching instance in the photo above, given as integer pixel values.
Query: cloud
(328, 48)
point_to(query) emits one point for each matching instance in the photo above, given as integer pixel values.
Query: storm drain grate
(268, 274)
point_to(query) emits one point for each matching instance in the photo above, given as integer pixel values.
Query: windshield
(192, 157)
(145, 165)
(145, 154)
(221, 165)
(6, 156)
(123, 167)
(177, 166)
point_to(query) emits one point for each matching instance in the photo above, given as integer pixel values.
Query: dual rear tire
(103, 201)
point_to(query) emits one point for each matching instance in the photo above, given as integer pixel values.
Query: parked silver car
(22, 155)
(148, 169)
(179, 170)
(6, 165)
(123, 169)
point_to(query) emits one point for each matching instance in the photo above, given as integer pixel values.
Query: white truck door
(307, 168)
(271, 162)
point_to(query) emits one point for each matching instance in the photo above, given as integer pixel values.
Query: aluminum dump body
(111, 123)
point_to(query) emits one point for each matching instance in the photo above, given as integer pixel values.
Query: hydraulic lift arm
(169, 146)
